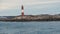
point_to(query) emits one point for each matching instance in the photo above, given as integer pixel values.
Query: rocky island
(44, 17)
(23, 17)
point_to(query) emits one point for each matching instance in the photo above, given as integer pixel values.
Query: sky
(31, 7)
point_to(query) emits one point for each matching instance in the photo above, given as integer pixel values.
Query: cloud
(11, 4)
(7, 6)
(46, 2)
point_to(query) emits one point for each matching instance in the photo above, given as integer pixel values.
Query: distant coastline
(43, 17)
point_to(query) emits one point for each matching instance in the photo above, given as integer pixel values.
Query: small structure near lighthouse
(22, 8)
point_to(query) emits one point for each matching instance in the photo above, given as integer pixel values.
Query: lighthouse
(22, 8)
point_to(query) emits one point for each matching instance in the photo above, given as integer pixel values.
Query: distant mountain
(8, 17)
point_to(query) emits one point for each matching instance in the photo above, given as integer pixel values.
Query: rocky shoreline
(32, 18)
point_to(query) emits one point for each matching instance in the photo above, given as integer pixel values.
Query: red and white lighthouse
(22, 8)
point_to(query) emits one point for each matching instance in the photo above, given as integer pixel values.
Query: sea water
(43, 27)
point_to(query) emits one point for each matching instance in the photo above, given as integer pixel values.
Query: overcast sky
(10, 4)
(14, 4)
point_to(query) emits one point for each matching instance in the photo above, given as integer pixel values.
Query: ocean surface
(43, 27)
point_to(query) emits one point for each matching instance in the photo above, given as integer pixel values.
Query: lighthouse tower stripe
(22, 10)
